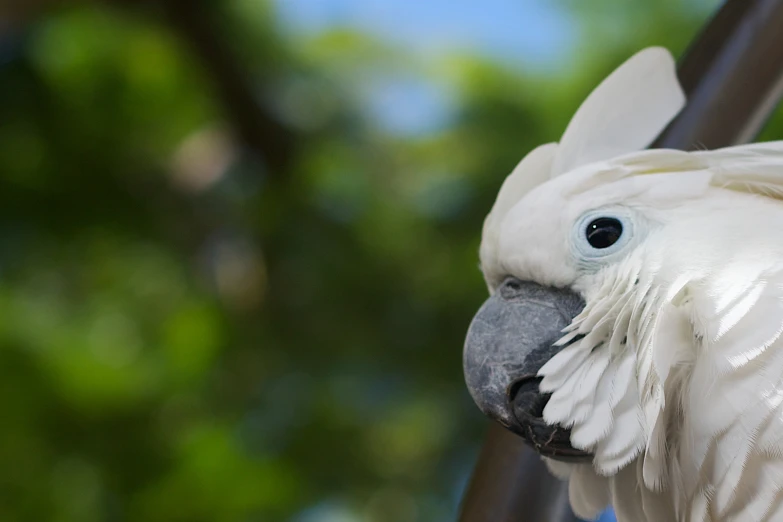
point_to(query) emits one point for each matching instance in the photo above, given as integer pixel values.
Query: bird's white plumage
(533, 170)
(624, 113)
(673, 373)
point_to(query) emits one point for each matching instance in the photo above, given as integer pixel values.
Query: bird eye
(603, 232)
(600, 234)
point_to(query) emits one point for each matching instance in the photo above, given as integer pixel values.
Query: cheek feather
(693, 390)
(593, 380)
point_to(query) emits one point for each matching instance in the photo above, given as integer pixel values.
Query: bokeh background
(238, 242)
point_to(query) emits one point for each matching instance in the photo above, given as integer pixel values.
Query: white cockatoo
(633, 333)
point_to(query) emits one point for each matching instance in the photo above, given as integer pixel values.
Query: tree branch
(256, 127)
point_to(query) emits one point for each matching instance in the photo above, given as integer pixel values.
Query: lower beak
(511, 337)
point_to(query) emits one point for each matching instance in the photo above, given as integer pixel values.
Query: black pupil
(604, 232)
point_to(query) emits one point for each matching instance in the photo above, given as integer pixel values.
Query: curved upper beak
(509, 340)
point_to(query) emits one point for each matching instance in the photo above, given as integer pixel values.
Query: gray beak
(509, 340)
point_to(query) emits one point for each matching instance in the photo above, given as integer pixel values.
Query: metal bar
(506, 460)
(733, 76)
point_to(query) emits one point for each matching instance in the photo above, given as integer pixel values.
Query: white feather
(588, 493)
(532, 170)
(625, 113)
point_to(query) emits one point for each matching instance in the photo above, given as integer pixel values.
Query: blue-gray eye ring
(602, 233)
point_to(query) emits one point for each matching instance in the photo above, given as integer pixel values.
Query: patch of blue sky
(412, 106)
(524, 32)
(534, 34)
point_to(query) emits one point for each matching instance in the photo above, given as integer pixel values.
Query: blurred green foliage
(192, 334)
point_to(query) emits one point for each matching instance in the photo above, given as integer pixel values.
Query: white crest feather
(532, 170)
(625, 113)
